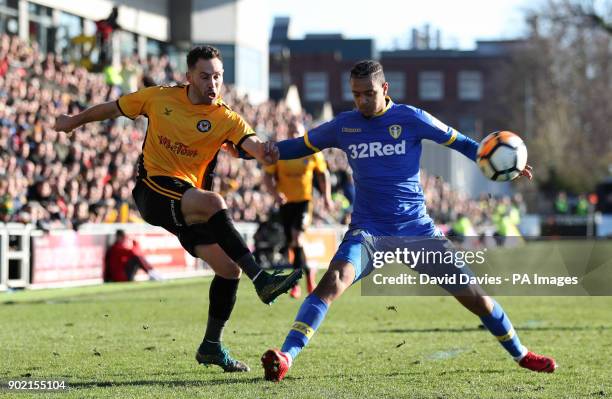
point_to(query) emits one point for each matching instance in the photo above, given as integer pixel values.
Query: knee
(198, 205)
(484, 305)
(214, 202)
(479, 305)
(229, 271)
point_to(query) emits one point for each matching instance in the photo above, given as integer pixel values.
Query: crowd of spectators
(54, 181)
(47, 178)
(445, 204)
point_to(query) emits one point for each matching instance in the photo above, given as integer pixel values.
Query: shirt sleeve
(320, 164)
(315, 140)
(239, 130)
(322, 137)
(430, 128)
(137, 103)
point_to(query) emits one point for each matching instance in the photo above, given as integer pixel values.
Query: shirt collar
(388, 105)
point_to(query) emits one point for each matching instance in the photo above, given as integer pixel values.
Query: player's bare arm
(99, 112)
(265, 153)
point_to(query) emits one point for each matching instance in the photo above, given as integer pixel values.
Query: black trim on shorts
(158, 199)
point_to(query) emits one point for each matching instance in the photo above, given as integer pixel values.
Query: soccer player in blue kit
(383, 143)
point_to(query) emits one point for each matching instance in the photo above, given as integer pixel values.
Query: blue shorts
(358, 247)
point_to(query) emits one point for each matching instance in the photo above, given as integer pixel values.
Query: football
(502, 156)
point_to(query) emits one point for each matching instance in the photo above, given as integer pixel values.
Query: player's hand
(231, 149)
(65, 123)
(280, 198)
(527, 172)
(271, 153)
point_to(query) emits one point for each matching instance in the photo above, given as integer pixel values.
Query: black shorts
(158, 199)
(294, 216)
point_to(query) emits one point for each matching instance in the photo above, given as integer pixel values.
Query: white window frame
(470, 85)
(397, 84)
(431, 85)
(316, 86)
(347, 92)
(276, 80)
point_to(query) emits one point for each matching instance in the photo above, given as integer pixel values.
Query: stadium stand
(52, 182)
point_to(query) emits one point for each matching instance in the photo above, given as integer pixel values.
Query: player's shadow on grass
(170, 383)
(438, 373)
(479, 328)
(95, 297)
(77, 299)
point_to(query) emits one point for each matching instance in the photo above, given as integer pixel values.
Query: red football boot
(295, 292)
(539, 363)
(275, 364)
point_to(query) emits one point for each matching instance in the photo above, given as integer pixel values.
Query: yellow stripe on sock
(303, 328)
(507, 337)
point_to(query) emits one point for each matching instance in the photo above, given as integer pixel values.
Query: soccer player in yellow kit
(291, 183)
(187, 125)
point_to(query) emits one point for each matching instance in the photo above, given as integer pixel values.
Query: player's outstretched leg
(312, 312)
(497, 322)
(336, 280)
(268, 286)
(200, 206)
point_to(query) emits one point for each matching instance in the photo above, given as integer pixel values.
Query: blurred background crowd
(53, 181)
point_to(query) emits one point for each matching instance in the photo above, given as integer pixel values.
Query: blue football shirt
(384, 152)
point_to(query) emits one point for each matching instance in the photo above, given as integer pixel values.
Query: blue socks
(313, 311)
(309, 318)
(499, 325)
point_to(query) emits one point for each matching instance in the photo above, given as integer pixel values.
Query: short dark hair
(120, 234)
(203, 52)
(366, 69)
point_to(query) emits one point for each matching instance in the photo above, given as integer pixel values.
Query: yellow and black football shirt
(182, 138)
(294, 176)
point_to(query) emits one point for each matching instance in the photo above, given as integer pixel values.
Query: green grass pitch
(138, 340)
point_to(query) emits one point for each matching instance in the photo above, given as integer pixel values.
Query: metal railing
(15, 255)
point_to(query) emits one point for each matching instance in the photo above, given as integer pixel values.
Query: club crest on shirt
(395, 131)
(204, 126)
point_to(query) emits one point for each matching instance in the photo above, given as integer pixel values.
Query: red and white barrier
(64, 258)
